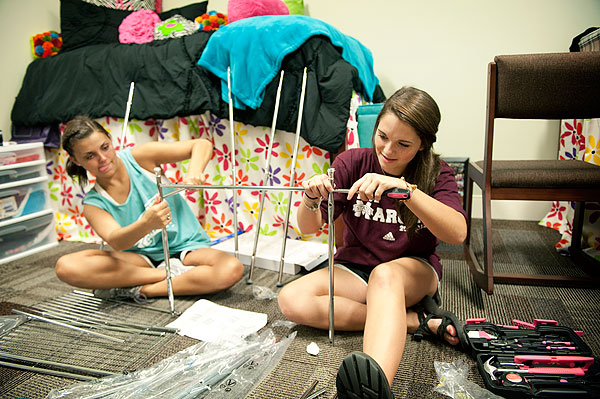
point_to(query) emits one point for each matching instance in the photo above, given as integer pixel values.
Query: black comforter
(94, 80)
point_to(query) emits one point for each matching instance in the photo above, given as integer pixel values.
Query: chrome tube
(181, 187)
(165, 242)
(66, 325)
(235, 198)
(331, 239)
(266, 176)
(292, 177)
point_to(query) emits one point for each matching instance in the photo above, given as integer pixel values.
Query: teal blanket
(255, 47)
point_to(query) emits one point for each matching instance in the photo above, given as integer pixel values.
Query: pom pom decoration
(211, 20)
(46, 44)
(138, 27)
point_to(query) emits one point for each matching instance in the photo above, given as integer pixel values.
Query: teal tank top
(184, 232)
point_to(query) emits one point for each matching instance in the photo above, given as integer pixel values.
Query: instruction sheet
(209, 322)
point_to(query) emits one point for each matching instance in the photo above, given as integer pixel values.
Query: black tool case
(533, 360)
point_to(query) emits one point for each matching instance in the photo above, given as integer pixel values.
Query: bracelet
(312, 207)
(309, 197)
(410, 187)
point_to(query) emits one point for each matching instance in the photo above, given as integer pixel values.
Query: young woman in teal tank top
(123, 210)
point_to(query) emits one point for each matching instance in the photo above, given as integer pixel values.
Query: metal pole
(235, 199)
(127, 109)
(266, 176)
(58, 323)
(83, 321)
(165, 242)
(64, 366)
(331, 239)
(292, 178)
(47, 371)
(87, 312)
(92, 298)
(180, 187)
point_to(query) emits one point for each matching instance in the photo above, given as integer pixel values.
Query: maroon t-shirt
(374, 233)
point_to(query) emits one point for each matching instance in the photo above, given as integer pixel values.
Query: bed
(178, 95)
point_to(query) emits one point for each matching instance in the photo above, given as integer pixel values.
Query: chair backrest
(366, 115)
(546, 86)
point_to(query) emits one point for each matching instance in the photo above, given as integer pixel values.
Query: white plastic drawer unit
(25, 235)
(23, 197)
(22, 171)
(22, 153)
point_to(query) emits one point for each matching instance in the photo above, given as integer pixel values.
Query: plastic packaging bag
(263, 292)
(283, 323)
(7, 323)
(195, 372)
(454, 382)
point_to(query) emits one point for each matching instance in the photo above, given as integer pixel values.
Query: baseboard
(513, 210)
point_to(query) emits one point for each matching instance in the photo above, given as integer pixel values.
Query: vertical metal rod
(331, 239)
(235, 199)
(292, 178)
(127, 109)
(262, 193)
(165, 242)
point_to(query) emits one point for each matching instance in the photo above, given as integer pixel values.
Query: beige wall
(441, 46)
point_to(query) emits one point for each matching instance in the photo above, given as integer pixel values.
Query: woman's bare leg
(306, 300)
(94, 268)
(393, 286)
(98, 269)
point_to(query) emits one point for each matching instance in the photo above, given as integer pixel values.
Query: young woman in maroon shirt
(387, 267)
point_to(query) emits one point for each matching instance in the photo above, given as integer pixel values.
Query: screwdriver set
(533, 360)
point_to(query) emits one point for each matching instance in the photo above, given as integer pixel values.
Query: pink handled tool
(583, 362)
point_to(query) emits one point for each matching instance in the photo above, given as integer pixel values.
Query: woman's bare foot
(449, 335)
(434, 323)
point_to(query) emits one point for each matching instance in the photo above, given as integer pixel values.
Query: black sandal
(359, 376)
(428, 309)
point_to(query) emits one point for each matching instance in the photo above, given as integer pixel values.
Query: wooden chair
(536, 86)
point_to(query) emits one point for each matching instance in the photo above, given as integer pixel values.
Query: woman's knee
(291, 303)
(67, 266)
(231, 272)
(386, 275)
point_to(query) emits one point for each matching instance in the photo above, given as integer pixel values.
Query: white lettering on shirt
(378, 217)
(382, 215)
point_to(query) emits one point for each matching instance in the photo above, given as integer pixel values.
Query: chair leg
(488, 260)
(580, 258)
(480, 276)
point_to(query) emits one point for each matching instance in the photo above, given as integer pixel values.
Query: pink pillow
(240, 9)
(138, 27)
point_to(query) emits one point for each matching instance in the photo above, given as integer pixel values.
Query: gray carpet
(517, 245)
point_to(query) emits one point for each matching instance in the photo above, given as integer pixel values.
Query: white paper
(209, 322)
(298, 253)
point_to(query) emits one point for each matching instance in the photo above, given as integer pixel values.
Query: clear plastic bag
(454, 382)
(200, 371)
(263, 293)
(7, 323)
(283, 323)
